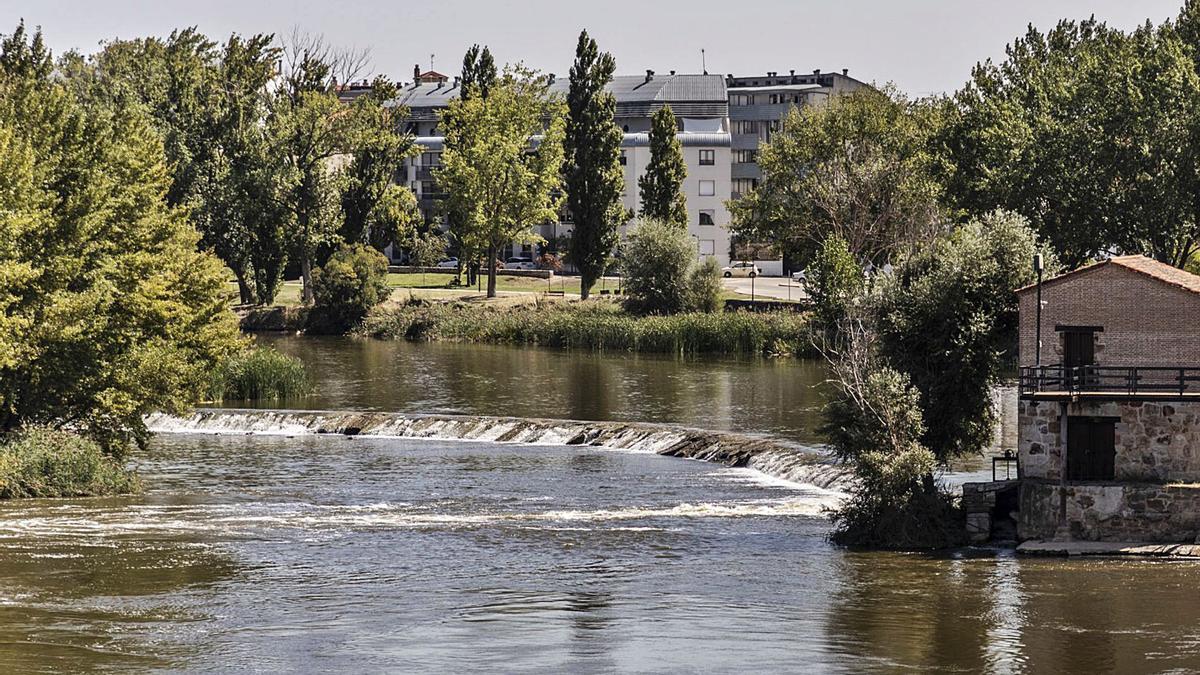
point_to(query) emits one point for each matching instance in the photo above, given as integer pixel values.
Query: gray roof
(688, 95)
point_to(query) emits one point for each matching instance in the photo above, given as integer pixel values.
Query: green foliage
(425, 250)
(260, 374)
(375, 209)
(858, 167)
(44, 462)
(109, 312)
(597, 326)
(351, 283)
(874, 423)
(478, 72)
(595, 181)
(948, 321)
(498, 182)
(1091, 134)
(704, 286)
(661, 186)
(655, 261)
(833, 282)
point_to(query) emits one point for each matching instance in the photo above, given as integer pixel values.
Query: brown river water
(319, 554)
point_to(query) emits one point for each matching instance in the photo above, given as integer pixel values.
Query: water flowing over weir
(774, 458)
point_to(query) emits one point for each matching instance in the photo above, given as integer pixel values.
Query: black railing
(1127, 380)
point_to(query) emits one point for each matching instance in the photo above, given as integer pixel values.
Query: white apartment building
(700, 103)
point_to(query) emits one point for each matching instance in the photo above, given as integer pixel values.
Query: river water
(320, 554)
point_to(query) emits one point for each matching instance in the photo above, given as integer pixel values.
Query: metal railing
(1127, 380)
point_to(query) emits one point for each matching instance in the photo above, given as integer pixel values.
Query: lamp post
(1038, 266)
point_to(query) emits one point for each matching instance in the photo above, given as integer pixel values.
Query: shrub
(353, 281)
(260, 374)
(43, 462)
(655, 261)
(704, 286)
(595, 325)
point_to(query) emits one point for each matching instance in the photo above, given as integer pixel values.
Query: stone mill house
(1108, 419)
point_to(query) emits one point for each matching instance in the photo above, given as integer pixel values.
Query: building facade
(1109, 417)
(701, 108)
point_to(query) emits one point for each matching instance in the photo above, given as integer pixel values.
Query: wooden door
(1091, 448)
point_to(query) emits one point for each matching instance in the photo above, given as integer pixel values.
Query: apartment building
(757, 107)
(701, 107)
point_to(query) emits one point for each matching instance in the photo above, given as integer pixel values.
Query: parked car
(741, 269)
(520, 263)
(449, 262)
(799, 277)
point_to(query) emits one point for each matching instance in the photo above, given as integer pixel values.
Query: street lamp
(1038, 266)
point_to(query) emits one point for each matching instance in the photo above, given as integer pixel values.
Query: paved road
(766, 287)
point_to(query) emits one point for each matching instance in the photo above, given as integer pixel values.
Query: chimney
(792, 72)
(845, 71)
(416, 73)
(672, 72)
(551, 78)
(817, 71)
(458, 78)
(649, 74)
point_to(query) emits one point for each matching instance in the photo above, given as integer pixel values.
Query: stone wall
(1155, 442)
(1110, 512)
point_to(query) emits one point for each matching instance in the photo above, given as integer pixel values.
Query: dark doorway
(1079, 348)
(1091, 448)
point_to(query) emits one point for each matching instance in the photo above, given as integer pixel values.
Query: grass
(260, 374)
(41, 462)
(597, 325)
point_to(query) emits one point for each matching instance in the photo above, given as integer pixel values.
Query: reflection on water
(368, 555)
(777, 396)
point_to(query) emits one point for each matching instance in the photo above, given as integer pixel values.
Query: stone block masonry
(1110, 512)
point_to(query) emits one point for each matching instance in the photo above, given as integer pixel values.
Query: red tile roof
(1137, 263)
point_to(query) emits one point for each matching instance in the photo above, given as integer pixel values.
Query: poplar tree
(594, 178)
(661, 186)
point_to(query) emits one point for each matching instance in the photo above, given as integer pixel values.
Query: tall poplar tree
(662, 185)
(594, 178)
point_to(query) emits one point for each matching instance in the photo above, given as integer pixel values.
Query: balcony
(1059, 382)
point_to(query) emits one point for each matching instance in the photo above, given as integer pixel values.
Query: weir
(776, 458)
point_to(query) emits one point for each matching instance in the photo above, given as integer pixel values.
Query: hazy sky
(923, 46)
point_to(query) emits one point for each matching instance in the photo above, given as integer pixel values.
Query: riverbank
(41, 462)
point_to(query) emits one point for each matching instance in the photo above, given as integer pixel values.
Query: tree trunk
(491, 292)
(585, 286)
(245, 293)
(306, 276)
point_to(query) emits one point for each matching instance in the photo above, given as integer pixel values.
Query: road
(765, 287)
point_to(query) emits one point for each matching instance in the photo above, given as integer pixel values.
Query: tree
(858, 167)
(375, 209)
(661, 187)
(595, 180)
(502, 163)
(425, 250)
(347, 287)
(834, 281)
(704, 286)
(656, 259)
(948, 322)
(478, 77)
(109, 311)
(1091, 134)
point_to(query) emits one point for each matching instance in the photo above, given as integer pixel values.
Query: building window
(708, 157)
(431, 159)
(745, 156)
(708, 247)
(708, 188)
(741, 99)
(742, 186)
(745, 126)
(707, 217)
(624, 159)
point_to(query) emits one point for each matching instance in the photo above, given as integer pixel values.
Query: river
(319, 554)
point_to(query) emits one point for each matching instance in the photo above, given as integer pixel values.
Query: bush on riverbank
(353, 281)
(260, 374)
(595, 325)
(42, 462)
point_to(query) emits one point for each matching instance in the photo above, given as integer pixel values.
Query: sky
(923, 46)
